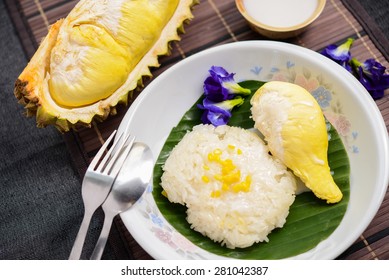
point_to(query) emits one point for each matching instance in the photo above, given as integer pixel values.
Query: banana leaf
(310, 219)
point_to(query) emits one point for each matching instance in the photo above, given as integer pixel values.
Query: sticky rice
(234, 191)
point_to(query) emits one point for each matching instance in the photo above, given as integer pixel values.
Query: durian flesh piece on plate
(293, 124)
(96, 57)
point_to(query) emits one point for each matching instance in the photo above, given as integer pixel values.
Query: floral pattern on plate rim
(332, 110)
(163, 231)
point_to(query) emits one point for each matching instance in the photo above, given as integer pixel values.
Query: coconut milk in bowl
(280, 19)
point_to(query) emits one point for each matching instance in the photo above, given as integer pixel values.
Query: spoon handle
(100, 245)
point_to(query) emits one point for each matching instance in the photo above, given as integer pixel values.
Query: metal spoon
(127, 189)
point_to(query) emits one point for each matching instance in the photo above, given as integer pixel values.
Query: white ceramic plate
(343, 99)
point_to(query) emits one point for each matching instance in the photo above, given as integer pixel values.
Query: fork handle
(100, 245)
(75, 254)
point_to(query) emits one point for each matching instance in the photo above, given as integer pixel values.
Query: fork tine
(114, 168)
(112, 154)
(107, 156)
(116, 156)
(98, 156)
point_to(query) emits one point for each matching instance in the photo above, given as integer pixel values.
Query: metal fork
(97, 183)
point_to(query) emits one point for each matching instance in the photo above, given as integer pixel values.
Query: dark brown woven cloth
(374, 19)
(218, 22)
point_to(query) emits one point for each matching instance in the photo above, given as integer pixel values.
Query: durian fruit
(293, 124)
(96, 57)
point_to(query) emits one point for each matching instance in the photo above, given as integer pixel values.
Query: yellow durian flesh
(293, 124)
(92, 71)
(91, 60)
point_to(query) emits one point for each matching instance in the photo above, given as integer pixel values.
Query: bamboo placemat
(218, 22)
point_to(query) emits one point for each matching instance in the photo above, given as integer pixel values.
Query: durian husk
(32, 90)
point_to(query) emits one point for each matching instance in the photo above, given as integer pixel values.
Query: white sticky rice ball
(235, 192)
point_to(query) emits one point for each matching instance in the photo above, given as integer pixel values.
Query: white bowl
(162, 104)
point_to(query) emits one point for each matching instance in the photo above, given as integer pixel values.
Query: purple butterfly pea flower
(340, 54)
(220, 85)
(218, 113)
(372, 75)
